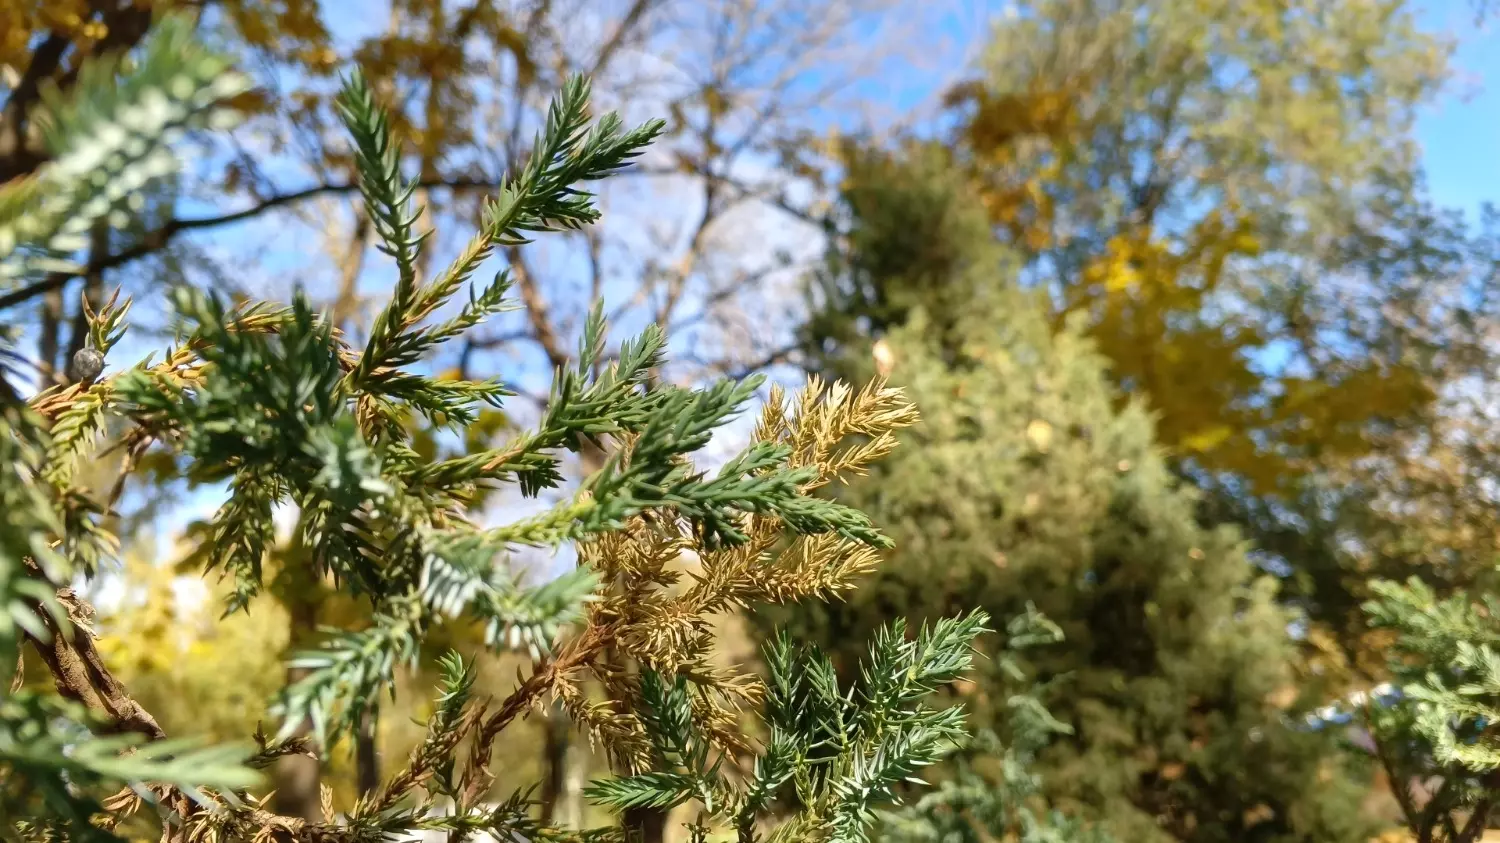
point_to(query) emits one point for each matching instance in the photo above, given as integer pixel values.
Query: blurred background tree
(1230, 195)
(1228, 200)
(1209, 183)
(1026, 484)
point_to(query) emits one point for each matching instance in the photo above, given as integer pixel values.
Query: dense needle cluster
(277, 404)
(1433, 727)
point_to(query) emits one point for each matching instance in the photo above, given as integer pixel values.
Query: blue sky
(1460, 134)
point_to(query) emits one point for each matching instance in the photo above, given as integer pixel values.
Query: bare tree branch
(728, 369)
(15, 159)
(543, 330)
(159, 238)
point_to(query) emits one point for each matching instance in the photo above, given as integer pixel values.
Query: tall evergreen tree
(1026, 483)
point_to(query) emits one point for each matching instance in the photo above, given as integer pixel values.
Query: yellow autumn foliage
(167, 642)
(1180, 208)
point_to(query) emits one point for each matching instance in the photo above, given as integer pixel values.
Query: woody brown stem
(477, 777)
(81, 675)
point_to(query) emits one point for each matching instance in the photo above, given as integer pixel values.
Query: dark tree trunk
(367, 754)
(555, 742)
(49, 345)
(298, 776)
(645, 825)
(557, 735)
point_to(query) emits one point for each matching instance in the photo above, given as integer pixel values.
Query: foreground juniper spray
(269, 400)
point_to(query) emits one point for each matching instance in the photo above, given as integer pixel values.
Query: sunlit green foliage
(1432, 726)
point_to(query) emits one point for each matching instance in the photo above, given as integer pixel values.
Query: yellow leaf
(1259, 814)
(1208, 439)
(1031, 504)
(1039, 433)
(885, 359)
